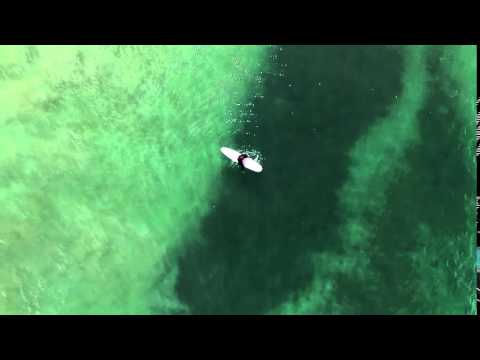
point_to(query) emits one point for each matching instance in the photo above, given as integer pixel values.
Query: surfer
(240, 160)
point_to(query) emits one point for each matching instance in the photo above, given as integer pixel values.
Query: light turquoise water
(109, 155)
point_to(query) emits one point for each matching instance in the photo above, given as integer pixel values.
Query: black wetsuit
(240, 160)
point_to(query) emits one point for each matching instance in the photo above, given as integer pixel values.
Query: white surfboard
(248, 163)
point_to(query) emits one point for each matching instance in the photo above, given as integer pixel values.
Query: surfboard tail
(251, 164)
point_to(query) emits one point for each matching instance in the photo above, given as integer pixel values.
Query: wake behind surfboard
(248, 163)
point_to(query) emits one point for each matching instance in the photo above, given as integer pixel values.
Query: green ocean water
(115, 198)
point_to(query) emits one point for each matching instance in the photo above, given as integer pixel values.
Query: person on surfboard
(240, 160)
(243, 160)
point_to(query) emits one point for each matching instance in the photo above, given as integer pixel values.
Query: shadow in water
(253, 247)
